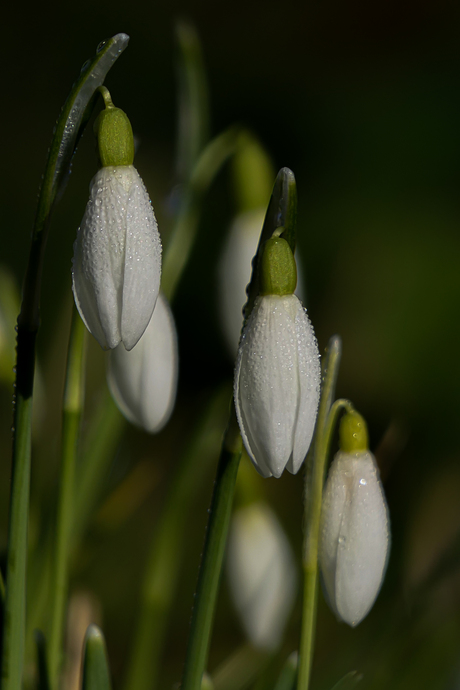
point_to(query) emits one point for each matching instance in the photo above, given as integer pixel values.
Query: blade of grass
(68, 130)
(96, 674)
(72, 410)
(163, 566)
(314, 480)
(106, 427)
(213, 554)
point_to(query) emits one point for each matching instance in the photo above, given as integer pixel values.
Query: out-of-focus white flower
(234, 273)
(143, 382)
(117, 258)
(261, 573)
(277, 384)
(354, 533)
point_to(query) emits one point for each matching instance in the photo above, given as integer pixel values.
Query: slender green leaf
(166, 551)
(213, 554)
(96, 674)
(66, 134)
(314, 480)
(105, 428)
(72, 409)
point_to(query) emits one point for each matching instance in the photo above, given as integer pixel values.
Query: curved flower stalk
(277, 373)
(235, 273)
(143, 382)
(354, 532)
(117, 254)
(262, 574)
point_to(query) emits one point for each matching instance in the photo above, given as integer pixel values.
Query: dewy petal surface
(117, 258)
(143, 381)
(277, 379)
(354, 539)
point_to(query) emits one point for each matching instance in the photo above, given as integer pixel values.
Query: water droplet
(85, 65)
(100, 46)
(363, 482)
(342, 540)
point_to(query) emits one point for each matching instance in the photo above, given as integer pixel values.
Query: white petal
(117, 238)
(354, 535)
(309, 371)
(142, 269)
(277, 384)
(262, 574)
(143, 381)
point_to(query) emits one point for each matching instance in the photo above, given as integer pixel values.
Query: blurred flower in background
(261, 573)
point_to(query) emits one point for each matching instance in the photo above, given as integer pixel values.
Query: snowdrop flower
(354, 532)
(277, 373)
(234, 273)
(262, 575)
(143, 382)
(117, 254)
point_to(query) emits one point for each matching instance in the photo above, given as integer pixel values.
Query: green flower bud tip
(114, 135)
(353, 433)
(278, 272)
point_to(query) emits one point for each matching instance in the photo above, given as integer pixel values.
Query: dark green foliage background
(362, 101)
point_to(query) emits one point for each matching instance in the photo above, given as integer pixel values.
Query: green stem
(164, 562)
(106, 428)
(314, 480)
(211, 564)
(14, 614)
(72, 409)
(68, 130)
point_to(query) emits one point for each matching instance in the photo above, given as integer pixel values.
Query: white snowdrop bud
(143, 382)
(117, 258)
(354, 531)
(277, 384)
(117, 254)
(261, 572)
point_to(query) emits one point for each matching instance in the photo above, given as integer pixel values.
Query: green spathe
(353, 433)
(114, 135)
(278, 272)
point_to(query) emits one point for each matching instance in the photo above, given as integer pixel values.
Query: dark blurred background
(362, 101)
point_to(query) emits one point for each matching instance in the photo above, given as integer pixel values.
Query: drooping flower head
(117, 254)
(262, 574)
(277, 373)
(354, 532)
(143, 382)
